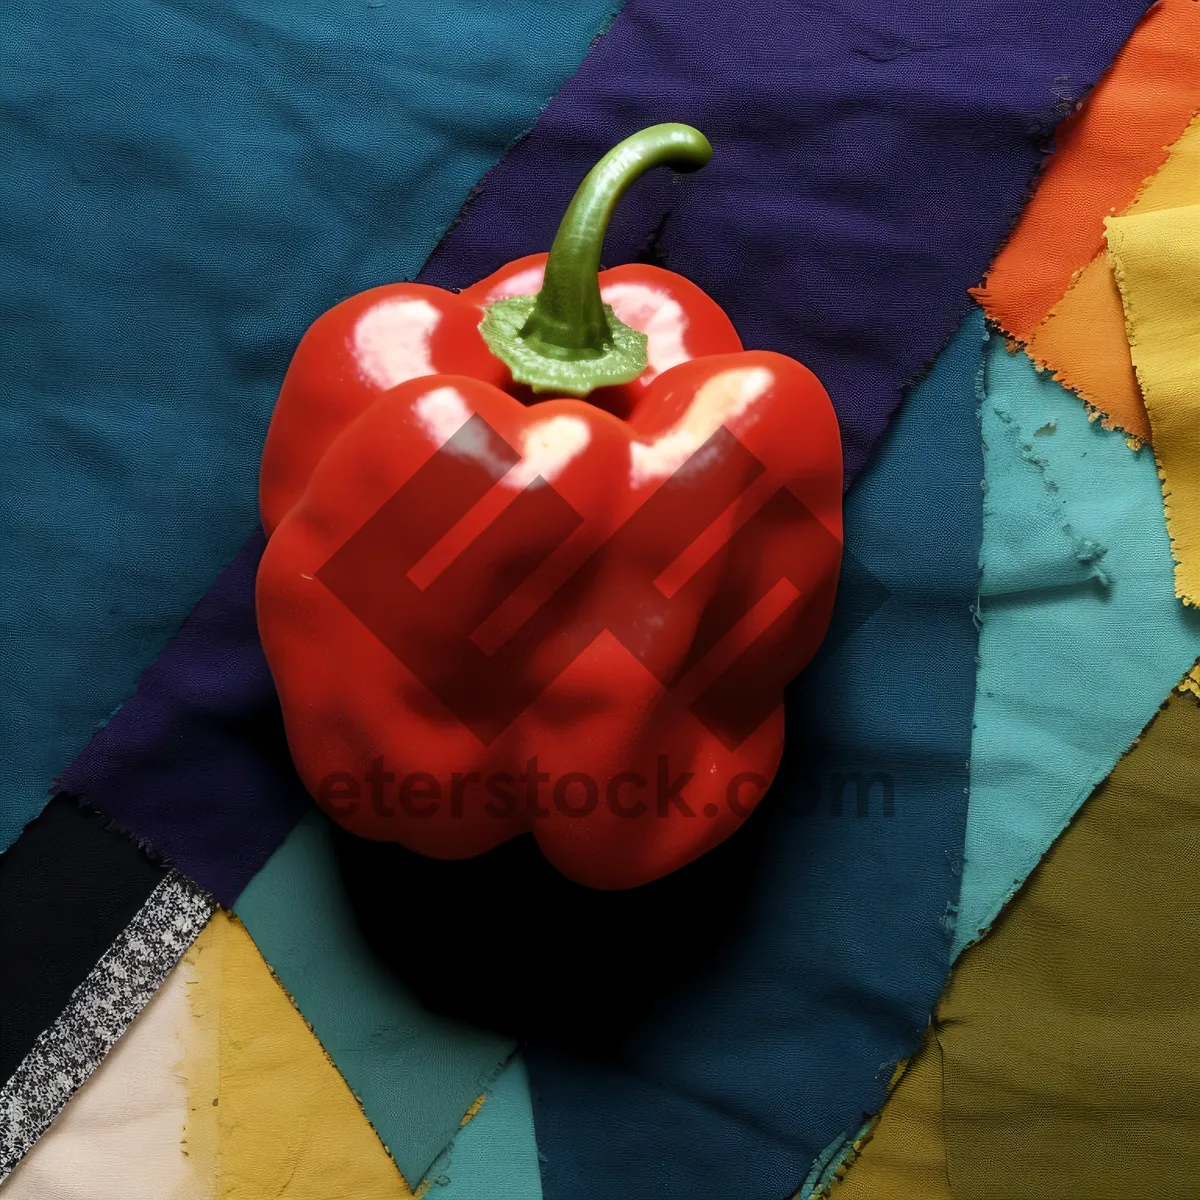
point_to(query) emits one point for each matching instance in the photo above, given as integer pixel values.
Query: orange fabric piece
(1083, 340)
(1104, 151)
(1083, 343)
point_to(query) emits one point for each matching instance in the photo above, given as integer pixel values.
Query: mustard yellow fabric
(1156, 259)
(1082, 340)
(1064, 1060)
(268, 1113)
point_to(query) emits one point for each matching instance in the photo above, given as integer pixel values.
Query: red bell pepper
(493, 606)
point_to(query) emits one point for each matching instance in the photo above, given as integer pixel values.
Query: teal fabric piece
(494, 1154)
(415, 1073)
(186, 187)
(1082, 636)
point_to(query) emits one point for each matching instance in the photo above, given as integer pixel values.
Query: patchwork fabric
(67, 890)
(1156, 257)
(189, 188)
(98, 1012)
(220, 1028)
(1082, 343)
(1063, 1056)
(842, 232)
(196, 763)
(415, 1073)
(118, 1138)
(1079, 617)
(1101, 156)
(1083, 340)
(904, 1152)
(268, 1113)
(494, 1154)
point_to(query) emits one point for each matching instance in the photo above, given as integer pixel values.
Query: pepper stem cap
(565, 339)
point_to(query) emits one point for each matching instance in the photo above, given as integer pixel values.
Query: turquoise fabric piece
(186, 187)
(494, 1155)
(415, 1073)
(1082, 636)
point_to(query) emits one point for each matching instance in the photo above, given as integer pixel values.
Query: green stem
(566, 339)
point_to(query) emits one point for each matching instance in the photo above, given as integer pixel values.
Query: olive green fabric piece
(1069, 1039)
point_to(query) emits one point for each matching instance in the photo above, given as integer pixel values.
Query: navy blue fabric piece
(783, 1037)
(869, 160)
(196, 763)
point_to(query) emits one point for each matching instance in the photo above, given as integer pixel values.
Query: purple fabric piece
(869, 160)
(195, 765)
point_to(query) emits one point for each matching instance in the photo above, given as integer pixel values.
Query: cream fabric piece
(118, 1138)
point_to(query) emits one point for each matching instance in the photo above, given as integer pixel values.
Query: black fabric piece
(68, 887)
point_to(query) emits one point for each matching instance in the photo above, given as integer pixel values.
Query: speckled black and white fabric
(99, 1011)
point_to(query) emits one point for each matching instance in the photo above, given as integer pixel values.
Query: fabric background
(1083, 338)
(195, 186)
(100, 1009)
(267, 1109)
(495, 1154)
(415, 1073)
(196, 762)
(1102, 155)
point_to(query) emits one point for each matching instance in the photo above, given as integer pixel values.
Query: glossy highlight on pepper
(493, 605)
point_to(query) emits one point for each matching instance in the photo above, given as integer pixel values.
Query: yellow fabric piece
(1082, 340)
(1066, 1061)
(1156, 258)
(269, 1115)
